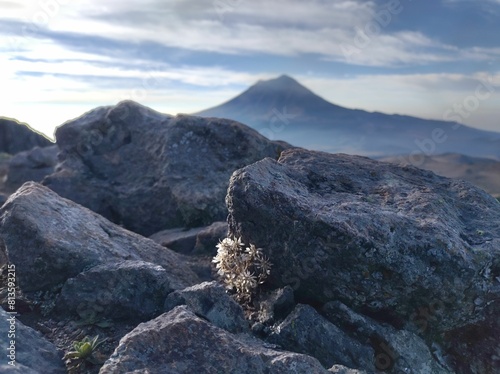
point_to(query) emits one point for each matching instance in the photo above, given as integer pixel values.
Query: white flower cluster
(241, 269)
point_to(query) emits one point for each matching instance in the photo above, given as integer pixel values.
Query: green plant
(84, 349)
(241, 269)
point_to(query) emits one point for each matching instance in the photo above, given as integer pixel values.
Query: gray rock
(306, 331)
(208, 238)
(16, 137)
(476, 348)
(276, 305)
(339, 369)
(180, 342)
(33, 353)
(211, 301)
(150, 171)
(126, 290)
(396, 351)
(382, 238)
(51, 239)
(32, 165)
(198, 240)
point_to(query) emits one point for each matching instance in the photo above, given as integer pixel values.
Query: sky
(435, 59)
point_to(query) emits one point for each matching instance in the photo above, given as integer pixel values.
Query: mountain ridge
(282, 108)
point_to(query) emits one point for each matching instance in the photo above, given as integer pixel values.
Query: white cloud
(64, 85)
(344, 31)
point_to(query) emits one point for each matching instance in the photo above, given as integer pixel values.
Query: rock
(4, 167)
(386, 240)
(306, 331)
(211, 301)
(396, 351)
(339, 369)
(3, 199)
(51, 239)
(180, 342)
(476, 348)
(208, 238)
(126, 290)
(276, 305)
(16, 137)
(32, 165)
(192, 241)
(150, 171)
(33, 353)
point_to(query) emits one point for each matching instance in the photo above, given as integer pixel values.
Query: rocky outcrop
(149, 171)
(51, 239)
(181, 342)
(26, 349)
(383, 239)
(16, 137)
(375, 266)
(32, 165)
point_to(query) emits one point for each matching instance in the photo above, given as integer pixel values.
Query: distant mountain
(16, 137)
(282, 108)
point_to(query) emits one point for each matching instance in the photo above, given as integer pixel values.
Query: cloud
(342, 31)
(168, 54)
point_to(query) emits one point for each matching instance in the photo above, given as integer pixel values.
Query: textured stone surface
(150, 171)
(32, 165)
(384, 239)
(33, 353)
(129, 290)
(476, 348)
(51, 239)
(211, 301)
(16, 137)
(276, 305)
(181, 342)
(395, 351)
(306, 331)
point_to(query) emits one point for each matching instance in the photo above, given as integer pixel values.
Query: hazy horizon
(435, 60)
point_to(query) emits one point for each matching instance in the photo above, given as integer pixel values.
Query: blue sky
(60, 58)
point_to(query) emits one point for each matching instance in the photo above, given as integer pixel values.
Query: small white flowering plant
(241, 268)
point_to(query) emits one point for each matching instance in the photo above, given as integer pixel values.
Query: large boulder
(16, 137)
(150, 171)
(385, 240)
(180, 342)
(26, 351)
(32, 165)
(51, 239)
